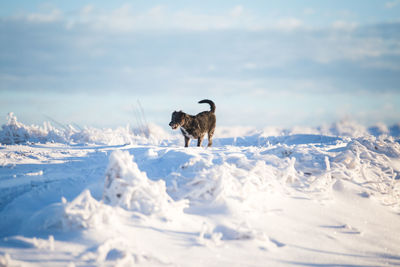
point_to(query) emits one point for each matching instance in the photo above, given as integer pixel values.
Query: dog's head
(177, 119)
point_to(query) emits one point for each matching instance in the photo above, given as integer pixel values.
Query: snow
(326, 196)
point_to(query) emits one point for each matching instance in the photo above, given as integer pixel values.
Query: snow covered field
(327, 196)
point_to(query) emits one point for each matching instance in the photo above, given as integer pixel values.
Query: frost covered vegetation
(326, 196)
(14, 132)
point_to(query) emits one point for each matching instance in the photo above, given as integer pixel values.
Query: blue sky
(264, 63)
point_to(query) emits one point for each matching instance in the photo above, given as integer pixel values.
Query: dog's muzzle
(174, 126)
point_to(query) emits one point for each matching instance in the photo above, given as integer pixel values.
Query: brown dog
(195, 127)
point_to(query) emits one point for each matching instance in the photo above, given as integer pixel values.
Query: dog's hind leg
(210, 136)
(187, 139)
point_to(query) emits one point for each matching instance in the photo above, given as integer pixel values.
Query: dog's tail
(212, 105)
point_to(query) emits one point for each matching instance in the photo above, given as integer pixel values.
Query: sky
(264, 63)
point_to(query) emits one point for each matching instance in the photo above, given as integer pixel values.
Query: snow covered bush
(119, 136)
(128, 187)
(15, 132)
(86, 212)
(347, 127)
(83, 212)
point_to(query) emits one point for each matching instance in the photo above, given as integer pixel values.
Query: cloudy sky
(264, 63)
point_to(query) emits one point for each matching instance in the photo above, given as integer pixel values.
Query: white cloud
(392, 4)
(346, 47)
(53, 16)
(344, 25)
(211, 68)
(120, 19)
(126, 19)
(157, 11)
(289, 24)
(87, 9)
(237, 11)
(250, 66)
(309, 11)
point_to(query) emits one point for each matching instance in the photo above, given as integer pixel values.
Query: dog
(195, 127)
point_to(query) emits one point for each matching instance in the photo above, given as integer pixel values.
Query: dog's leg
(200, 140)
(210, 136)
(187, 139)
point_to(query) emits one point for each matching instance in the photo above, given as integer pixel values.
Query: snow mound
(128, 187)
(235, 181)
(371, 164)
(113, 252)
(119, 252)
(84, 212)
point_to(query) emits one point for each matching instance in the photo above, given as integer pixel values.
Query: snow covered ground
(327, 196)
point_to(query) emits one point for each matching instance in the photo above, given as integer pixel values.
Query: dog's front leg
(187, 139)
(200, 140)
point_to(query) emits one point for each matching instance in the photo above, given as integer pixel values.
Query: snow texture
(326, 196)
(126, 186)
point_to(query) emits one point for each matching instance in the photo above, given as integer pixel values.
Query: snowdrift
(126, 186)
(321, 196)
(83, 212)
